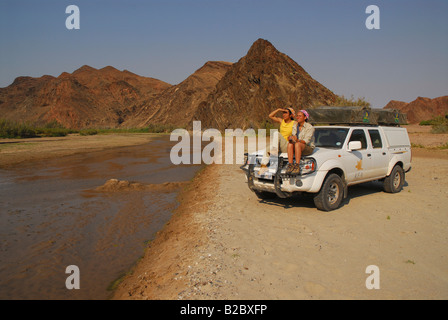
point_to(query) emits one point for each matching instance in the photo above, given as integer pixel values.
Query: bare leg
(290, 153)
(299, 147)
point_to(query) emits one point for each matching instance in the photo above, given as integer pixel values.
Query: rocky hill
(421, 108)
(261, 81)
(178, 104)
(88, 97)
(220, 94)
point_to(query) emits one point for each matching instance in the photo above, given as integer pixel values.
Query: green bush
(439, 124)
(440, 128)
(425, 123)
(161, 128)
(11, 129)
(53, 129)
(53, 132)
(88, 132)
(342, 101)
(267, 125)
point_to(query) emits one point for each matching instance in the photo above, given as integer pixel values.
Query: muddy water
(51, 218)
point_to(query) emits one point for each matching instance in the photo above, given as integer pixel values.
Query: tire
(264, 195)
(394, 182)
(331, 194)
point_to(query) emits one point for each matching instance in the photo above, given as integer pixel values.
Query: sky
(170, 39)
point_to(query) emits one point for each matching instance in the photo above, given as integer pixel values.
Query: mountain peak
(84, 68)
(212, 65)
(421, 108)
(109, 69)
(262, 48)
(261, 81)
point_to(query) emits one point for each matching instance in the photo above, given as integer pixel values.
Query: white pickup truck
(344, 156)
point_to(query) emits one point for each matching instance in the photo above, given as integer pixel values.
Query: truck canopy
(329, 115)
(396, 137)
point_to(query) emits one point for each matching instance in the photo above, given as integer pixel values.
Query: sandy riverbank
(225, 243)
(14, 151)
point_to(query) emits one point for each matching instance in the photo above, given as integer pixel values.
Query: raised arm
(274, 118)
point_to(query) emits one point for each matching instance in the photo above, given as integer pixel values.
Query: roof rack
(331, 115)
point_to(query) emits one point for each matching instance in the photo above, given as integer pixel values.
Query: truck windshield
(330, 137)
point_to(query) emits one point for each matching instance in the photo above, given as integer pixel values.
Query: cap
(292, 111)
(305, 113)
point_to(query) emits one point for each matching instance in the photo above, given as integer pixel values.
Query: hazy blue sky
(169, 40)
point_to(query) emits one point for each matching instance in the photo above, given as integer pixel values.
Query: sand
(14, 151)
(225, 243)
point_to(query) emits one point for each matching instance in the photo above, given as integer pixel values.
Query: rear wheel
(331, 194)
(395, 181)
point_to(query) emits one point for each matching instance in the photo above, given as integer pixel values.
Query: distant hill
(220, 94)
(421, 108)
(261, 81)
(178, 104)
(88, 97)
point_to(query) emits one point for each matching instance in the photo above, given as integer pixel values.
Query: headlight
(307, 166)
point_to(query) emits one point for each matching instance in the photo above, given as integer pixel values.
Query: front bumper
(288, 183)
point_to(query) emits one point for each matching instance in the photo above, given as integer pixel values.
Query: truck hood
(318, 153)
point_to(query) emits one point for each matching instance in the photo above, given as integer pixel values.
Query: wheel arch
(393, 164)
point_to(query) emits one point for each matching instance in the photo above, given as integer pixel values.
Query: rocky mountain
(178, 104)
(421, 108)
(220, 94)
(260, 82)
(88, 97)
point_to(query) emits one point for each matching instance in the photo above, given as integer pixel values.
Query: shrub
(161, 128)
(425, 123)
(342, 101)
(88, 132)
(440, 128)
(439, 124)
(53, 129)
(10, 129)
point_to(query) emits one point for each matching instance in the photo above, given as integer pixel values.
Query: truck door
(380, 160)
(358, 162)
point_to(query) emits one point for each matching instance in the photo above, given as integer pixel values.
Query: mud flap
(345, 189)
(250, 177)
(277, 183)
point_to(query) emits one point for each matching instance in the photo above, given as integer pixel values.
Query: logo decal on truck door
(359, 165)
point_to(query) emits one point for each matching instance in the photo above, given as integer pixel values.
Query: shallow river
(51, 218)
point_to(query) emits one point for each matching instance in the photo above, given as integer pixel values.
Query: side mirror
(354, 145)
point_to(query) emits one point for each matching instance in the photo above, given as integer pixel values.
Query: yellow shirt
(286, 129)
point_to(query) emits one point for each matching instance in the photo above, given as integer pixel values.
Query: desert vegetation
(342, 101)
(21, 130)
(439, 124)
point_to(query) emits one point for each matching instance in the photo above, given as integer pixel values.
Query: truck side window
(359, 135)
(376, 139)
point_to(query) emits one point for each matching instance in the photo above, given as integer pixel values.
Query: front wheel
(331, 194)
(394, 182)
